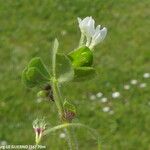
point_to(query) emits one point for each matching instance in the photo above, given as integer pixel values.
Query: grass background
(27, 29)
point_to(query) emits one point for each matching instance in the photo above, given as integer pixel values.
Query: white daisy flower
(104, 99)
(146, 75)
(126, 87)
(106, 109)
(92, 97)
(142, 85)
(115, 95)
(99, 94)
(134, 82)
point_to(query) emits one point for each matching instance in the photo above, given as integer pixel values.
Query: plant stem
(57, 98)
(57, 94)
(58, 101)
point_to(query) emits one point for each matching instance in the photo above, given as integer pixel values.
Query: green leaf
(33, 77)
(69, 107)
(81, 57)
(27, 82)
(84, 73)
(37, 63)
(64, 70)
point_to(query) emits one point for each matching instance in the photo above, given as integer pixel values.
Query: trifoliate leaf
(64, 70)
(37, 63)
(33, 77)
(84, 73)
(80, 57)
(27, 82)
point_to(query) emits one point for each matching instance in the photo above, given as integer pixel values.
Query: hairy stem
(57, 98)
(57, 94)
(58, 101)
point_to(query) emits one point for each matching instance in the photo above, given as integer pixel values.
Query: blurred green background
(27, 29)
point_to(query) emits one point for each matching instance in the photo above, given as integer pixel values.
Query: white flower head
(87, 26)
(98, 36)
(115, 95)
(93, 35)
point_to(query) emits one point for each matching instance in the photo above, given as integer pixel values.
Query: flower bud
(39, 126)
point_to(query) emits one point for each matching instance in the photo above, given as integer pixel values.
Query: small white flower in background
(115, 95)
(93, 35)
(104, 99)
(62, 135)
(106, 109)
(146, 75)
(126, 87)
(142, 85)
(63, 32)
(92, 97)
(134, 82)
(99, 94)
(3, 143)
(39, 100)
(39, 127)
(111, 112)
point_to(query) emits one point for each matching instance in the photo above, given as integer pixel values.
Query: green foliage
(82, 60)
(28, 27)
(42, 94)
(37, 63)
(33, 77)
(84, 73)
(35, 74)
(80, 57)
(69, 107)
(64, 70)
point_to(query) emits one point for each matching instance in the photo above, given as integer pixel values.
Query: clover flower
(93, 35)
(39, 126)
